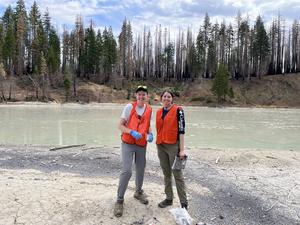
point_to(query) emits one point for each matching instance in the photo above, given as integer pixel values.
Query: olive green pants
(166, 155)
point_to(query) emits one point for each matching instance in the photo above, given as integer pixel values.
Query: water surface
(222, 128)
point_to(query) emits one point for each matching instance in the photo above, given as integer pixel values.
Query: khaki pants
(166, 155)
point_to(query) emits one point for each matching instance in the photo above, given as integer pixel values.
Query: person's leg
(140, 164)
(181, 188)
(127, 158)
(178, 175)
(165, 166)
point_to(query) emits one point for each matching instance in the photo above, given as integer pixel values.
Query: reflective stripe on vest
(167, 128)
(138, 123)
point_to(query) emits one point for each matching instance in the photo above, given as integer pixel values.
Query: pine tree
(9, 42)
(90, 51)
(179, 48)
(99, 60)
(200, 47)
(148, 56)
(260, 44)
(67, 86)
(222, 34)
(43, 70)
(54, 52)
(65, 50)
(77, 43)
(238, 48)
(169, 59)
(9, 47)
(36, 31)
(1, 41)
(8, 18)
(2, 79)
(129, 45)
(122, 49)
(220, 86)
(211, 59)
(279, 46)
(244, 46)
(109, 53)
(47, 26)
(272, 37)
(21, 35)
(206, 33)
(125, 49)
(229, 49)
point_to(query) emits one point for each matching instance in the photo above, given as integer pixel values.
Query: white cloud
(173, 14)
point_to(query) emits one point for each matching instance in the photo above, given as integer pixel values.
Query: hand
(150, 137)
(135, 134)
(182, 155)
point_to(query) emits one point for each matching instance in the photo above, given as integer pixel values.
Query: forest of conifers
(31, 46)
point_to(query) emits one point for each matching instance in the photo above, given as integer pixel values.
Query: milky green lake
(219, 128)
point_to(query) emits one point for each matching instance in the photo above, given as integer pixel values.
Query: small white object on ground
(181, 216)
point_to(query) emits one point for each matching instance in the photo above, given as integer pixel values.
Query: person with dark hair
(170, 126)
(136, 131)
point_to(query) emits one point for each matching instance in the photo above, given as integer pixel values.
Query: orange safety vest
(138, 123)
(167, 128)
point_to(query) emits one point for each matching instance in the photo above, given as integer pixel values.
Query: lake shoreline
(224, 187)
(37, 103)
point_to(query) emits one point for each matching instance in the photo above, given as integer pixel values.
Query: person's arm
(150, 129)
(181, 131)
(123, 123)
(124, 118)
(150, 134)
(181, 146)
(122, 126)
(124, 129)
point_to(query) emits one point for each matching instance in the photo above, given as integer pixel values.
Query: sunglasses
(141, 86)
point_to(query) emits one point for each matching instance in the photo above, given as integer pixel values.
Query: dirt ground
(78, 186)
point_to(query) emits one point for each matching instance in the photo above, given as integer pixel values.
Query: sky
(172, 14)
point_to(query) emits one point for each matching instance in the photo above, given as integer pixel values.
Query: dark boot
(118, 210)
(165, 203)
(184, 205)
(141, 196)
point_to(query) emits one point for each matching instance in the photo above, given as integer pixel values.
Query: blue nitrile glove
(135, 134)
(150, 137)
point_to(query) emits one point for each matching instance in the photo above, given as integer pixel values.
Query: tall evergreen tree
(220, 86)
(229, 49)
(1, 42)
(65, 50)
(21, 35)
(206, 41)
(9, 47)
(125, 49)
(99, 59)
(54, 52)
(169, 60)
(200, 47)
(109, 53)
(90, 51)
(36, 31)
(9, 42)
(260, 44)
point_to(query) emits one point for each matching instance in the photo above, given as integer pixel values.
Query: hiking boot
(184, 205)
(165, 203)
(141, 196)
(118, 210)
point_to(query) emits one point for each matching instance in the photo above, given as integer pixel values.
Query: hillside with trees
(38, 63)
